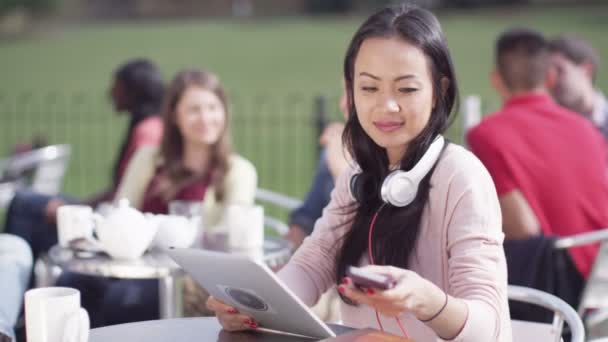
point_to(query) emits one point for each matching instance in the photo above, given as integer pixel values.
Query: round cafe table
(152, 265)
(205, 329)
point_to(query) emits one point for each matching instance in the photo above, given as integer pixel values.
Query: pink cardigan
(459, 249)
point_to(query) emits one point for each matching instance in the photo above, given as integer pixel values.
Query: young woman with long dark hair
(421, 211)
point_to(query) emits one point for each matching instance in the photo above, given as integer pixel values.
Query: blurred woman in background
(194, 163)
(137, 90)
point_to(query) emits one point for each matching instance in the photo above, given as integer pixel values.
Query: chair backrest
(470, 113)
(275, 224)
(594, 299)
(532, 331)
(7, 192)
(278, 199)
(48, 165)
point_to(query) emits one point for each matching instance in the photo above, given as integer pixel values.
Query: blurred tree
(343, 6)
(329, 6)
(34, 7)
(481, 3)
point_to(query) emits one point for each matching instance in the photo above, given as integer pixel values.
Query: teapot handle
(98, 220)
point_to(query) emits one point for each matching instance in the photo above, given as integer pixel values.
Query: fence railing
(279, 134)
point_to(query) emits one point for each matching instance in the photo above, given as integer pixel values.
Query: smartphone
(365, 279)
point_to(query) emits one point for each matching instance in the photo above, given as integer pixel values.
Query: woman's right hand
(229, 317)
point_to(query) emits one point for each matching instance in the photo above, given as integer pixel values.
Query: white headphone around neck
(400, 187)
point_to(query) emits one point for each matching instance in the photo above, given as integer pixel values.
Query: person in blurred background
(332, 162)
(334, 159)
(15, 269)
(577, 64)
(195, 162)
(549, 167)
(137, 90)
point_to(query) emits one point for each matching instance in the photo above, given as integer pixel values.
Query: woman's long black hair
(143, 82)
(396, 229)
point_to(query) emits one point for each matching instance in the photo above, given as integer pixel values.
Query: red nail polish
(248, 321)
(232, 311)
(253, 325)
(345, 281)
(341, 289)
(370, 291)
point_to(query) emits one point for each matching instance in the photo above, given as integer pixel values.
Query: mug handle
(77, 327)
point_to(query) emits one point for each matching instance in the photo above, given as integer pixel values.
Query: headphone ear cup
(398, 189)
(354, 187)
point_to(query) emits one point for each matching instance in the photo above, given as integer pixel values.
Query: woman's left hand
(411, 293)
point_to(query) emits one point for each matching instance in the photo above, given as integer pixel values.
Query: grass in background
(56, 82)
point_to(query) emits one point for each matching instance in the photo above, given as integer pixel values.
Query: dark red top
(154, 203)
(556, 158)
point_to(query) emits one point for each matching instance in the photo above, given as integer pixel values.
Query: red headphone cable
(371, 261)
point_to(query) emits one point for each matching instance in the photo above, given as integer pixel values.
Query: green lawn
(56, 82)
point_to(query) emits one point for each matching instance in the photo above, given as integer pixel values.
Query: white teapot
(124, 233)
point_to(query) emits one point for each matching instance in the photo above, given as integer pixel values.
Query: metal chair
(47, 166)
(470, 113)
(275, 224)
(533, 331)
(279, 200)
(594, 299)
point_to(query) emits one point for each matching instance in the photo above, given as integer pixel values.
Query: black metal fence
(278, 134)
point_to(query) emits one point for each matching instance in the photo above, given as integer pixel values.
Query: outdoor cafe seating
(157, 265)
(208, 329)
(593, 306)
(49, 165)
(42, 170)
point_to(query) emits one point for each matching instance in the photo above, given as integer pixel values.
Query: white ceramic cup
(245, 225)
(175, 231)
(216, 241)
(193, 210)
(186, 208)
(53, 314)
(74, 221)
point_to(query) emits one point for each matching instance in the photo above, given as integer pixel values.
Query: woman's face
(200, 116)
(393, 93)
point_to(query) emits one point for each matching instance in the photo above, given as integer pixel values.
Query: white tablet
(253, 289)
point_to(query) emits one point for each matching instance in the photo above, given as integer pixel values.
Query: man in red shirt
(548, 163)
